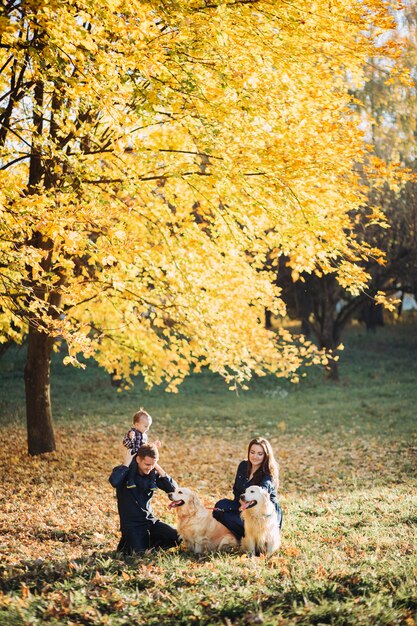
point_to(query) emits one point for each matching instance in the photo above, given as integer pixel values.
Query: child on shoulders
(135, 438)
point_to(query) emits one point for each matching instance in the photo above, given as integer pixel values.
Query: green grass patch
(347, 453)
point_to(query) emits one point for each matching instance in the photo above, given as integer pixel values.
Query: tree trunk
(37, 385)
(268, 319)
(38, 363)
(331, 370)
(327, 341)
(328, 331)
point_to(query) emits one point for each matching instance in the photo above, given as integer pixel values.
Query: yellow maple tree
(153, 155)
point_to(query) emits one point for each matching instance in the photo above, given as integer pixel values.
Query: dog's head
(183, 497)
(254, 496)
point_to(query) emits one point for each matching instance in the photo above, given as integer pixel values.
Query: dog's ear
(265, 500)
(194, 501)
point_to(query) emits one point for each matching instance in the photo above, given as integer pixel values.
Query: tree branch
(21, 158)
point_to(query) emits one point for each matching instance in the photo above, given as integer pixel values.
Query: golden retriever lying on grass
(262, 532)
(196, 526)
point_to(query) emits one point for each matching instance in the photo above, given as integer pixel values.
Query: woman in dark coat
(260, 469)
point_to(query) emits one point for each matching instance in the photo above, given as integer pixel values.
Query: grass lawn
(347, 455)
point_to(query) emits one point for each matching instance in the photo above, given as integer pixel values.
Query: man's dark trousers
(151, 535)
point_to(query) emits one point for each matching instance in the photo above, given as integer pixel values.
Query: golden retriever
(262, 532)
(196, 526)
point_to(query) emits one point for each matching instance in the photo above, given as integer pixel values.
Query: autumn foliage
(156, 158)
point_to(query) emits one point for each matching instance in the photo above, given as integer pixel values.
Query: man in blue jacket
(140, 529)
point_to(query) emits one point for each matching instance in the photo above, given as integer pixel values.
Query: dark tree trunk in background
(37, 386)
(5, 346)
(331, 370)
(268, 319)
(372, 314)
(304, 307)
(328, 340)
(324, 325)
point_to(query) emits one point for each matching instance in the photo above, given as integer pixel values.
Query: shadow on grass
(36, 573)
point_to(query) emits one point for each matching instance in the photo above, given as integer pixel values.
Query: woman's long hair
(269, 465)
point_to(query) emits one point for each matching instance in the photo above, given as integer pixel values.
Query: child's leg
(159, 469)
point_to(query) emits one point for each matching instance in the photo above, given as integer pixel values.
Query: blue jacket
(242, 482)
(134, 504)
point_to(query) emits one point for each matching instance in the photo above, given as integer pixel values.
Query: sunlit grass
(347, 454)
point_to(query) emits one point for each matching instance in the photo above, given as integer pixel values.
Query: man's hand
(157, 443)
(127, 456)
